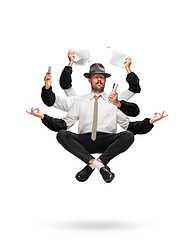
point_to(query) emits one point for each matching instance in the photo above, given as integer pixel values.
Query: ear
(89, 80)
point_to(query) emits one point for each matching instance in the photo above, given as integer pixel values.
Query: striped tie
(95, 116)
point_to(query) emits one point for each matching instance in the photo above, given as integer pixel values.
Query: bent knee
(129, 136)
(61, 135)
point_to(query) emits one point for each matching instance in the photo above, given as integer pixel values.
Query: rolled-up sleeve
(65, 78)
(129, 109)
(54, 124)
(48, 96)
(140, 127)
(133, 81)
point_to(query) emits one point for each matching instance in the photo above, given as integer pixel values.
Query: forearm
(133, 82)
(128, 69)
(54, 124)
(140, 127)
(65, 78)
(48, 96)
(129, 109)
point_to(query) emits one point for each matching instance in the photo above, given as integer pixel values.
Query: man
(49, 98)
(132, 79)
(98, 120)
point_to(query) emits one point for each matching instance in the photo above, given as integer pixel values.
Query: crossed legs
(108, 144)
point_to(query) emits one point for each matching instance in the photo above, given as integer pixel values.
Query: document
(117, 58)
(82, 57)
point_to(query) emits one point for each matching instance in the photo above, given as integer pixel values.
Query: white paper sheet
(82, 56)
(117, 58)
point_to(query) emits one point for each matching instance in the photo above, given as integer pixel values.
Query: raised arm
(65, 78)
(50, 99)
(132, 80)
(47, 95)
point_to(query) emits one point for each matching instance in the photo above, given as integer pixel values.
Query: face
(97, 81)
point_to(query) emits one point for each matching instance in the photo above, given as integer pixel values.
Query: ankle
(92, 161)
(99, 160)
(97, 164)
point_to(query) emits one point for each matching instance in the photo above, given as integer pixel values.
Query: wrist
(70, 63)
(47, 86)
(151, 121)
(42, 116)
(128, 70)
(118, 104)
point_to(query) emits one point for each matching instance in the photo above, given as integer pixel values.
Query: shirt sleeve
(73, 114)
(129, 109)
(70, 92)
(64, 104)
(134, 87)
(65, 78)
(133, 81)
(54, 124)
(140, 127)
(122, 119)
(126, 95)
(48, 96)
(66, 81)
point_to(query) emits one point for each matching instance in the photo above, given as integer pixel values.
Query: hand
(36, 112)
(157, 116)
(48, 80)
(113, 97)
(71, 56)
(127, 63)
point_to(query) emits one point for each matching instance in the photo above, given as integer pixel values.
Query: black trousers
(108, 144)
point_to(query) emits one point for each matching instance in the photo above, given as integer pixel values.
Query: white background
(150, 196)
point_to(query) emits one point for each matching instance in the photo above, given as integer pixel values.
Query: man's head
(97, 77)
(97, 81)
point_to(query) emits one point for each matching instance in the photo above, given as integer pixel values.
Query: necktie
(95, 116)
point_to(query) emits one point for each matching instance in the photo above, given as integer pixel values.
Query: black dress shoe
(84, 174)
(106, 173)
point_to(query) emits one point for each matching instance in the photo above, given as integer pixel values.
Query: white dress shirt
(108, 114)
(126, 95)
(65, 104)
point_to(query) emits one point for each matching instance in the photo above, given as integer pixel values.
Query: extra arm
(66, 81)
(65, 78)
(129, 109)
(48, 96)
(133, 82)
(145, 126)
(140, 127)
(54, 124)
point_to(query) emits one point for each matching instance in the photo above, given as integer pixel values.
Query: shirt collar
(103, 95)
